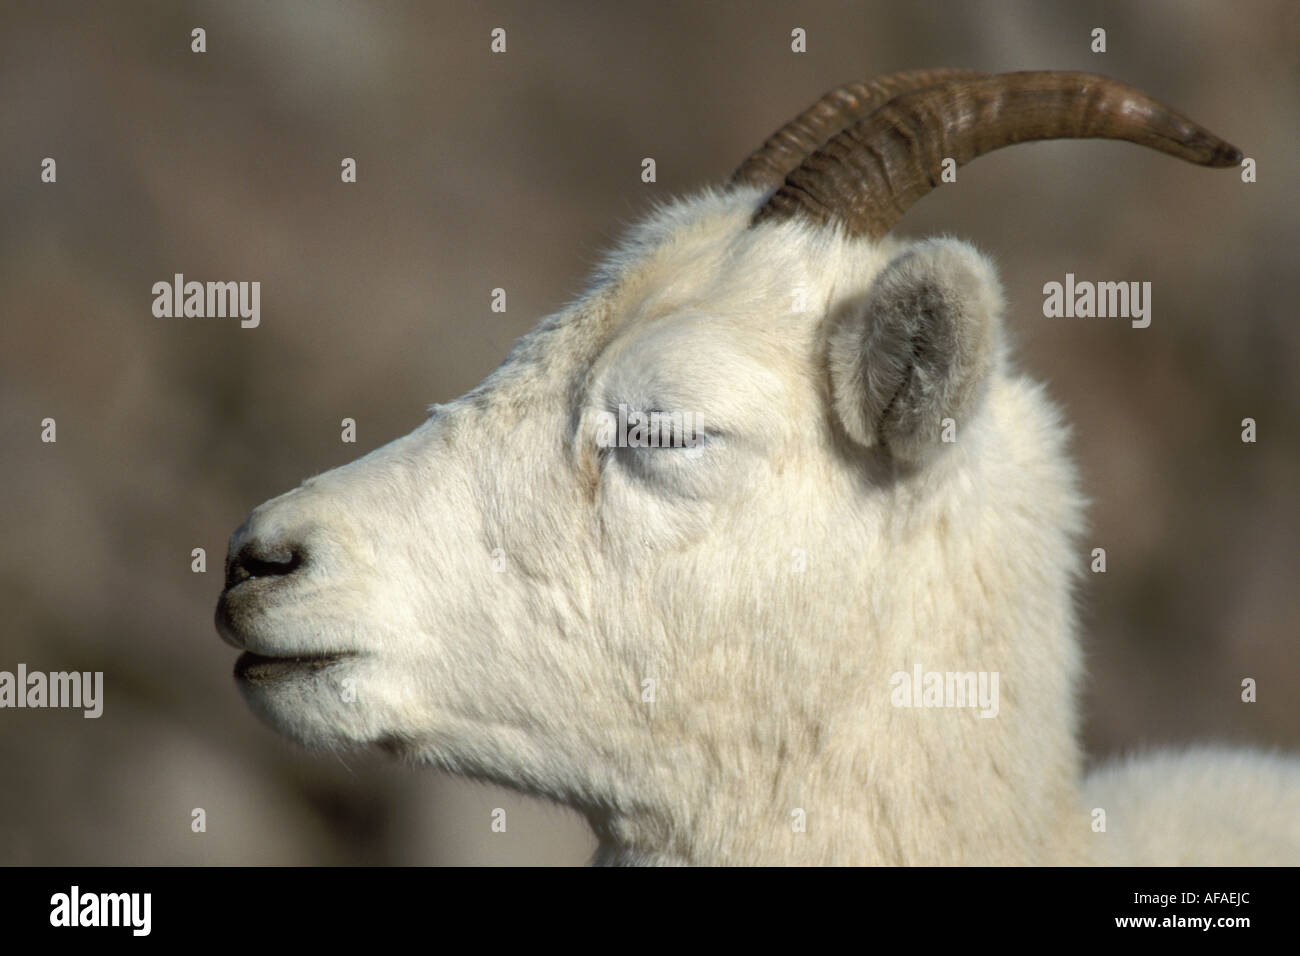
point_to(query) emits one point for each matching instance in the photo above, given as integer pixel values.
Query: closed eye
(686, 443)
(677, 460)
(692, 447)
(650, 430)
(675, 431)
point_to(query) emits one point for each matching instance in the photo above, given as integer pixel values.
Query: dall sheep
(709, 647)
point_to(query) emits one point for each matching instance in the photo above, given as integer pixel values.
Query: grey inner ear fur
(883, 423)
(917, 349)
(917, 333)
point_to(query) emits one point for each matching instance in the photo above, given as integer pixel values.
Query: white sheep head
(690, 644)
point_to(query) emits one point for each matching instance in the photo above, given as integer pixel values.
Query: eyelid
(700, 438)
(691, 422)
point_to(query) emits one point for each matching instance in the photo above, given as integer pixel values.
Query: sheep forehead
(727, 377)
(696, 309)
(702, 254)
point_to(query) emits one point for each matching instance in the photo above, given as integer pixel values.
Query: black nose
(260, 559)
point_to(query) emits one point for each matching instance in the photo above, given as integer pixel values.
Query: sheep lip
(252, 582)
(258, 668)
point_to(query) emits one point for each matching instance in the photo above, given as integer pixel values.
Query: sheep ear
(919, 347)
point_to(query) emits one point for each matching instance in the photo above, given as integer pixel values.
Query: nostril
(258, 560)
(266, 567)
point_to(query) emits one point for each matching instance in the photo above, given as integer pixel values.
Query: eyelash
(702, 441)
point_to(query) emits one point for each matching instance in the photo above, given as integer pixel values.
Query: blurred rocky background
(480, 170)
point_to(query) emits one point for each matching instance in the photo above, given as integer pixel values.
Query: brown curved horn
(866, 176)
(789, 146)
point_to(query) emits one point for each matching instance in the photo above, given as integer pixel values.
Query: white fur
(772, 684)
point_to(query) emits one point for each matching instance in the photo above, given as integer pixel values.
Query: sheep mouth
(257, 669)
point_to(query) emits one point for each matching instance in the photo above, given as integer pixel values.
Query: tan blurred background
(477, 171)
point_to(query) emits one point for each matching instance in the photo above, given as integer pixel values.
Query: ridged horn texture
(789, 146)
(866, 176)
